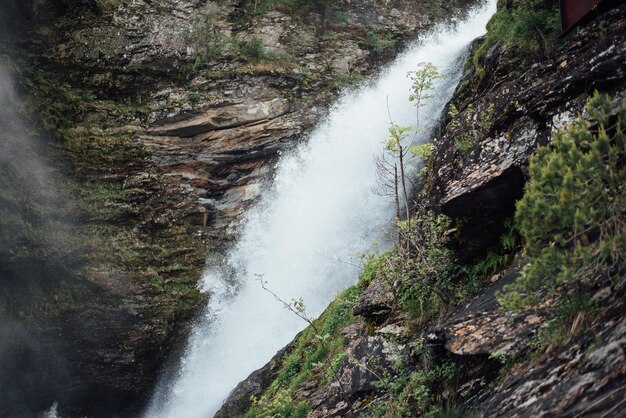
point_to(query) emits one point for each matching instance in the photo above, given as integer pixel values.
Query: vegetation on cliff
(572, 217)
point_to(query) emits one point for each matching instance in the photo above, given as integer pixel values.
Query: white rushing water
(320, 212)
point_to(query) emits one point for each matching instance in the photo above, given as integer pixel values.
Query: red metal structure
(576, 12)
(573, 11)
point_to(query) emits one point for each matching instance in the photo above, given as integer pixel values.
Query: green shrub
(414, 393)
(379, 42)
(526, 27)
(572, 216)
(314, 352)
(421, 272)
(372, 267)
(210, 45)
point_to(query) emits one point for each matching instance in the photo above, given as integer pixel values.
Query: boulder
(377, 301)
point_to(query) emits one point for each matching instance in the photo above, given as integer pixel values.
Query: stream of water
(320, 212)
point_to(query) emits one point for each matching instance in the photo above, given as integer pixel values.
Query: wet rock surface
(586, 377)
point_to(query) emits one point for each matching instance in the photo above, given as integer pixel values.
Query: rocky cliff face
(161, 121)
(474, 357)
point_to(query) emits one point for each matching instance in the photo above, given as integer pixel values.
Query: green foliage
(572, 214)
(451, 410)
(421, 273)
(317, 352)
(424, 151)
(281, 406)
(495, 260)
(341, 20)
(422, 81)
(210, 45)
(413, 393)
(372, 265)
(470, 125)
(558, 330)
(424, 273)
(425, 276)
(525, 27)
(335, 365)
(397, 135)
(378, 43)
(97, 150)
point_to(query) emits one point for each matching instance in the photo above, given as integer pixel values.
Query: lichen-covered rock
(368, 362)
(483, 327)
(587, 377)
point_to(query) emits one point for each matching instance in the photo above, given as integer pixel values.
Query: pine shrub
(573, 213)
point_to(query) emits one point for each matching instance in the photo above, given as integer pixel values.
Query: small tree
(423, 80)
(391, 163)
(297, 306)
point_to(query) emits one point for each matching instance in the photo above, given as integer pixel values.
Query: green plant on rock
(421, 273)
(414, 393)
(210, 45)
(378, 43)
(470, 125)
(572, 216)
(398, 150)
(317, 354)
(424, 274)
(280, 406)
(526, 27)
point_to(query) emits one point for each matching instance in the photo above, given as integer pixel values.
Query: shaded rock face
(587, 377)
(377, 300)
(512, 118)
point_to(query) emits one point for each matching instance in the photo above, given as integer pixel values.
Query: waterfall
(319, 213)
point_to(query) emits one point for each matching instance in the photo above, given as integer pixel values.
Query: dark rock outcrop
(254, 385)
(483, 327)
(481, 185)
(377, 300)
